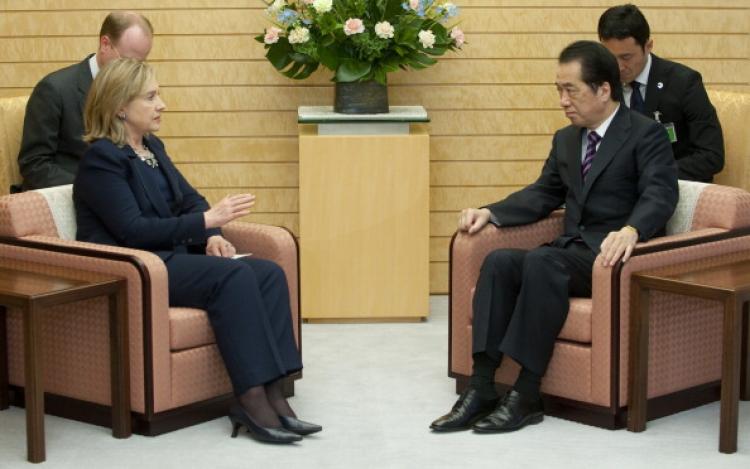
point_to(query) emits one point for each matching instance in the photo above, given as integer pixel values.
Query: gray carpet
(376, 388)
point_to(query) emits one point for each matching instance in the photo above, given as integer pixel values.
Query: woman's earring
(121, 116)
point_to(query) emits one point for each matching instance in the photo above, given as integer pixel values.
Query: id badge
(671, 132)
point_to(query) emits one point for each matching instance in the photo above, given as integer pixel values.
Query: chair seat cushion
(189, 328)
(577, 327)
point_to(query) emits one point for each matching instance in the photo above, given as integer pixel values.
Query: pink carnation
(458, 37)
(272, 35)
(353, 26)
(414, 4)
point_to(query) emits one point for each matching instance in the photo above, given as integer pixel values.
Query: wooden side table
(32, 293)
(728, 284)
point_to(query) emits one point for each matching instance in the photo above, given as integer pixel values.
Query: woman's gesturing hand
(229, 208)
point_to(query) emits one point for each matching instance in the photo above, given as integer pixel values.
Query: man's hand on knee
(473, 219)
(618, 244)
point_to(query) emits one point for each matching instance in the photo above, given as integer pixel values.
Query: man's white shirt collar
(642, 77)
(601, 130)
(94, 66)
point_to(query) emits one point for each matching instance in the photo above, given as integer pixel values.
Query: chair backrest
(12, 111)
(704, 205)
(44, 212)
(733, 109)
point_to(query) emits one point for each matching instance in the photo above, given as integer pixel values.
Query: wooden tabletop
(728, 278)
(24, 285)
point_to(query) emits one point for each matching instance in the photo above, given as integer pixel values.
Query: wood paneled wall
(232, 126)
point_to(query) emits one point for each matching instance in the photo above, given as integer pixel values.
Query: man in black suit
(668, 92)
(615, 172)
(51, 146)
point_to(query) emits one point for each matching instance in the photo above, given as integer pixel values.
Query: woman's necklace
(146, 156)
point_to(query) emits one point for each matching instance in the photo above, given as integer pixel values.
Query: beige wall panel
(229, 124)
(482, 46)
(496, 122)
(455, 72)
(289, 221)
(42, 49)
(9, 92)
(684, 46)
(564, 20)
(240, 174)
(475, 96)
(276, 200)
(162, 4)
(442, 223)
(438, 277)
(513, 147)
(223, 150)
(721, 71)
(284, 149)
(284, 123)
(457, 198)
(439, 251)
(483, 173)
(244, 21)
(178, 21)
(240, 98)
(121, 4)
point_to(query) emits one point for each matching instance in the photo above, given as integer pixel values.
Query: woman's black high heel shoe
(239, 419)
(298, 426)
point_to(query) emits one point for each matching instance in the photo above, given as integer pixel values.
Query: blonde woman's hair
(120, 82)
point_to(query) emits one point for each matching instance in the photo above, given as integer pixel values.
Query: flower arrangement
(359, 40)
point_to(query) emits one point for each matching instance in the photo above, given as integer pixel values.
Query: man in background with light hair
(52, 145)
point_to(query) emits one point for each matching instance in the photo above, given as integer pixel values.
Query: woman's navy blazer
(117, 203)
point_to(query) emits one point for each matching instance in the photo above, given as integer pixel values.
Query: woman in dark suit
(128, 193)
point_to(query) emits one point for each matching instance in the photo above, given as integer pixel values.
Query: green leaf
(423, 59)
(392, 8)
(278, 54)
(329, 58)
(352, 70)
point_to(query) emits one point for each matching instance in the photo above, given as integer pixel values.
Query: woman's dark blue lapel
(149, 186)
(168, 169)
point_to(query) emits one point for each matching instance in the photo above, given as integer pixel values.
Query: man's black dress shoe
(514, 412)
(240, 419)
(469, 408)
(298, 426)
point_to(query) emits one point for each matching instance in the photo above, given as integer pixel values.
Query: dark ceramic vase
(367, 97)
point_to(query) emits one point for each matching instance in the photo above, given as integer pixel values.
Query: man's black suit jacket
(51, 147)
(678, 94)
(118, 204)
(632, 181)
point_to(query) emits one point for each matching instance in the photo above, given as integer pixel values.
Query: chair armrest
(273, 243)
(470, 250)
(148, 302)
(467, 254)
